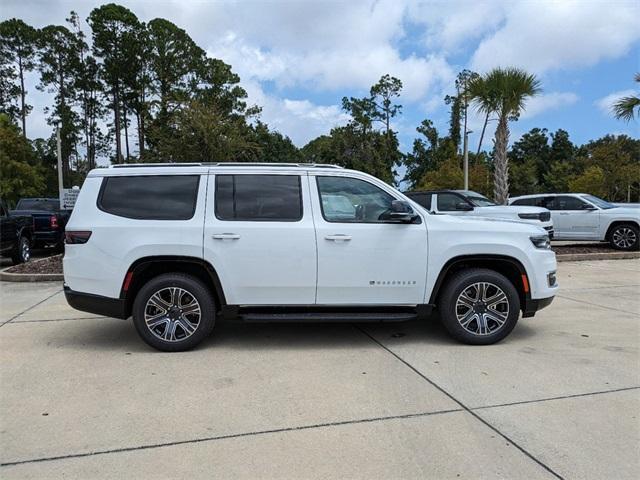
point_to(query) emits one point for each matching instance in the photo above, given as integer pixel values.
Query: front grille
(545, 216)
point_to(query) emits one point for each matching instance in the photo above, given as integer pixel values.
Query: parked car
(16, 233)
(178, 246)
(469, 203)
(48, 220)
(580, 216)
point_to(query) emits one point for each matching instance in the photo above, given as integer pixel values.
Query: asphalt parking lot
(82, 397)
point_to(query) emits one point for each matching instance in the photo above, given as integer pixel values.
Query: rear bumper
(531, 305)
(50, 237)
(97, 304)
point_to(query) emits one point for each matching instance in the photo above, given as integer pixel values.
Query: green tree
(116, 32)
(17, 47)
(592, 180)
(627, 107)
(19, 175)
(59, 65)
(424, 156)
(510, 87)
(272, 146)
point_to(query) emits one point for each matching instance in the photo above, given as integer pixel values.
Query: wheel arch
(510, 267)
(617, 223)
(146, 268)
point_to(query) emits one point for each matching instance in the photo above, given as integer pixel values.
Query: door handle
(225, 236)
(338, 237)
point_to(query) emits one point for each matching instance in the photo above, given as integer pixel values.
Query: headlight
(529, 216)
(541, 241)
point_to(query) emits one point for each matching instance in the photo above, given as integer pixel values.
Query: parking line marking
(463, 406)
(31, 307)
(230, 436)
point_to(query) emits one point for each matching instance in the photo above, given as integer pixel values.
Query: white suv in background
(178, 246)
(469, 203)
(579, 216)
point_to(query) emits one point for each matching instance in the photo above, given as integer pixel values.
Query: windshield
(598, 202)
(479, 200)
(38, 205)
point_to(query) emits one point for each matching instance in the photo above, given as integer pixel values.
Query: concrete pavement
(82, 397)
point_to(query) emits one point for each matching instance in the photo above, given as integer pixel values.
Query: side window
(569, 203)
(351, 200)
(531, 202)
(150, 197)
(447, 202)
(423, 199)
(267, 198)
(3, 212)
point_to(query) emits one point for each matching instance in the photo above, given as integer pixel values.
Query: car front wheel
(625, 237)
(479, 306)
(174, 312)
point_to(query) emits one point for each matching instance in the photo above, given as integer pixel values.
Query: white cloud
(548, 101)
(542, 36)
(605, 104)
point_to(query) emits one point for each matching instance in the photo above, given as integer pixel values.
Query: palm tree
(504, 92)
(484, 101)
(624, 109)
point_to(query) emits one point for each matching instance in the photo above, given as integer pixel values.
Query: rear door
(362, 259)
(259, 235)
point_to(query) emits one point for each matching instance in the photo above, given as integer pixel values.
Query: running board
(322, 317)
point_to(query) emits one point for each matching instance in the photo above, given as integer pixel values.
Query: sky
(297, 59)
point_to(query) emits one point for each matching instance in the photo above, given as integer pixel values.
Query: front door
(259, 236)
(573, 218)
(362, 259)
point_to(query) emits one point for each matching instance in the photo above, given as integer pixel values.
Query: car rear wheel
(23, 251)
(625, 237)
(479, 306)
(174, 312)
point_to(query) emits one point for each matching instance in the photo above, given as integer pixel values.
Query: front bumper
(532, 305)
(97, 304)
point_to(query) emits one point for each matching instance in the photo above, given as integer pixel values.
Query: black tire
(625, 236)
(194, 289)
(22, 253)
(466, 281)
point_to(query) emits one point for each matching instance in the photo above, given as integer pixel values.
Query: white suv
(178, 246)
(469, 203)
(579, 216)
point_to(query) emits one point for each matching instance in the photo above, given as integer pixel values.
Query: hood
(515, 209)
(626, 211)
(497, 224)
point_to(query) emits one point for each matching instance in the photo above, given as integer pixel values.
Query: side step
(310, 317)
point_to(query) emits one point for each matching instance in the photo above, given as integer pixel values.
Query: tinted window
(352, 200)
(423, 199)
(38, 205)
(161, 197)
(275, 198)
(447, 202)
(564, 203)
(532, 202)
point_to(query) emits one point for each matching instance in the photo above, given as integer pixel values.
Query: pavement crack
(231, 436)
(560, 397)
(31, 307)
(462, 405)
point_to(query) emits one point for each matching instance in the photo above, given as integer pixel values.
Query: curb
(30, 277)
(579, 257)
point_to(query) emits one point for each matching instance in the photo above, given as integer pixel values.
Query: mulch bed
(582, 248)
(40, 265)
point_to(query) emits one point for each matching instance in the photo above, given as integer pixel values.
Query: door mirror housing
(400, 212)
(463, 207)
(586, 206)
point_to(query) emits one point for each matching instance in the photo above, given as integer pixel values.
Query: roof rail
(227, 164)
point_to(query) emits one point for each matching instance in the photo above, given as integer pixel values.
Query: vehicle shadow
(120, 335)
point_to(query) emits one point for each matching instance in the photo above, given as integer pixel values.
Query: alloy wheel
(25, 251)
(172, 314)
(624, 237)
(482, 308)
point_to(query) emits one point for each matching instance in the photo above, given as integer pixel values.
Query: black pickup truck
(16, 234)
(48, 220)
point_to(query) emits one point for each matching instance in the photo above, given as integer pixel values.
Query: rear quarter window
(152, 197)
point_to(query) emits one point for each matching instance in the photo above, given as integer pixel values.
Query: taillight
(76, 238)
(53, 221)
